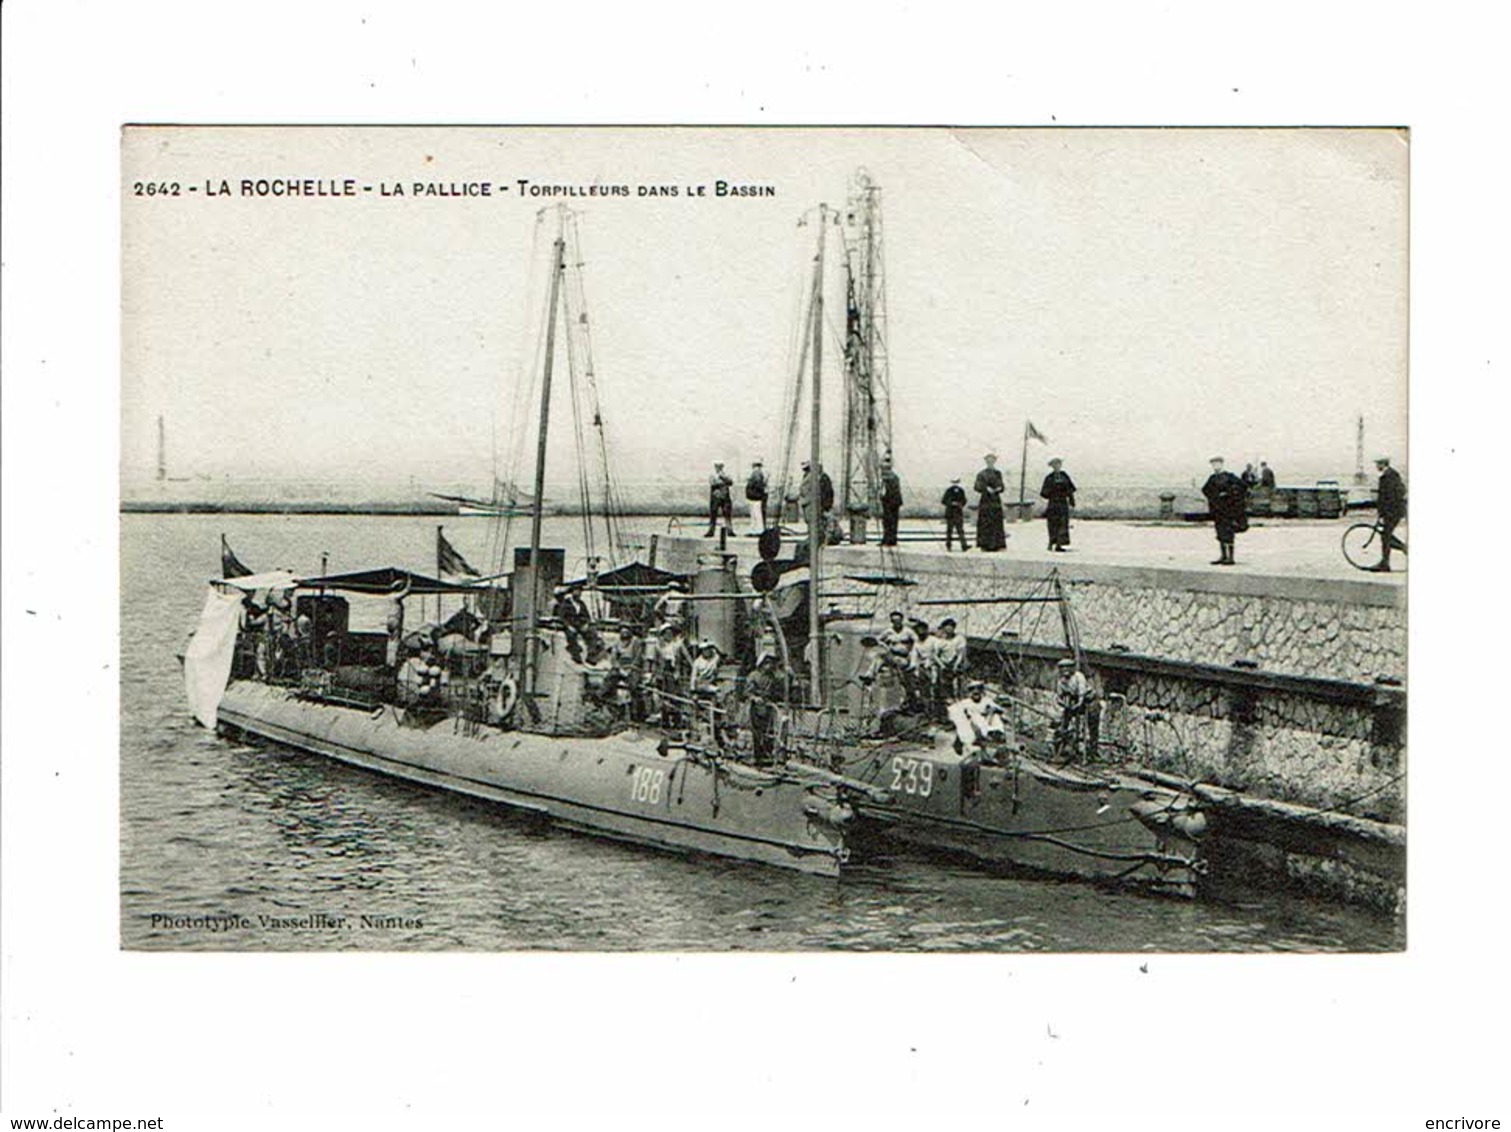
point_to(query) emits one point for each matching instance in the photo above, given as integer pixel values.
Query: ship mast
(162, 450)
(558, 257)
(816, 532)
(868, 409)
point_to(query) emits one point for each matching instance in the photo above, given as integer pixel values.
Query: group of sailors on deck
(282, 641)
(928, 666)
(657, 673)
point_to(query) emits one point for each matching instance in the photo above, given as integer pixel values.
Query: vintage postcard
(773, 539)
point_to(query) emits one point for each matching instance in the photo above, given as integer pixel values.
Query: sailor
(1266, 476)
(281, 632)
(254, 625)
(978, 718)
(891, 502)
(901, 645)
(626, 666)
(671, 607)
(882, 691)
(1391, 503)
(948, 656)
(872, 660)
(954, 501)
(990, 532)
(573, 615)
(670, 662)
(705, 672)
(764, 690)
(1059, 492)
(899, 641)
(1249, 477)
(302, 636)
(672, 657)
(720, 502)
(1074, 694)
(1227, 499)
(755, 495)
(397, 592)
(253, 616)
(825, 498)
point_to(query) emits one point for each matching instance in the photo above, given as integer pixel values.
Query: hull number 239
(912, 776)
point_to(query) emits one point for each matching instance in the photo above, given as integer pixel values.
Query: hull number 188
(645, 785)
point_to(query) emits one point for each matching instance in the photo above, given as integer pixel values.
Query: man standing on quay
(1227, 500)
(755, 495)
(1391, 501)
(954, 500)
(891, 502)
(1059, 492)
(720, 502)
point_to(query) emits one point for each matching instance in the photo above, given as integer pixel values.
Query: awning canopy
(880, 579)
(249, 583)
(384, 580)
(632, 577)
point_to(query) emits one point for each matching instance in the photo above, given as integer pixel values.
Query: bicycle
(1364, 544)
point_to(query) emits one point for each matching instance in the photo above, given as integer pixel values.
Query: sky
(1148, 298)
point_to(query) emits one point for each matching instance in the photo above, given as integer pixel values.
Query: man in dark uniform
(720, 502)
(990, 532)
(1391, 501)
(1266, 476)
(575, 621)
(821, 521)
(1059, 491)
(891, 502)
(755, 495)
(954, 501)
(1227, 500)
(764, 689)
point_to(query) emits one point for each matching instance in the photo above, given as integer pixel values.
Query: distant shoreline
(664, 509)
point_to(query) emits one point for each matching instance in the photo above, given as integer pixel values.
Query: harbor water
(231, 846)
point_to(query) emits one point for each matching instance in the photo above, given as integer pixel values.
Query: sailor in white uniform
(978, 718)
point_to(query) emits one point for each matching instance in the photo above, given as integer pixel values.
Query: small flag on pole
(230, 565)
(1035, 434)
(449, 560)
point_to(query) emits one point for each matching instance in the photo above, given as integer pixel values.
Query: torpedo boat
(1003, 796)
(505, 699)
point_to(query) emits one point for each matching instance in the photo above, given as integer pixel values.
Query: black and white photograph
(695, 567)
(868, 539)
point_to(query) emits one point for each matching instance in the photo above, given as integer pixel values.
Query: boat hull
(1026, 815)
(490, 510)
(621, 786)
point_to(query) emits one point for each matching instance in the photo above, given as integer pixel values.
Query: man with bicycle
(1391, 508)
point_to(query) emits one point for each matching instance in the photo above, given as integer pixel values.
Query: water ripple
(213, 829)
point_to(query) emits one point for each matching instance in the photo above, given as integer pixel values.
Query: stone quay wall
(1292, 742)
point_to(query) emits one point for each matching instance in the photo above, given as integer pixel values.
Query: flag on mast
(230, 565)
(449, 560)
(1034, 434)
